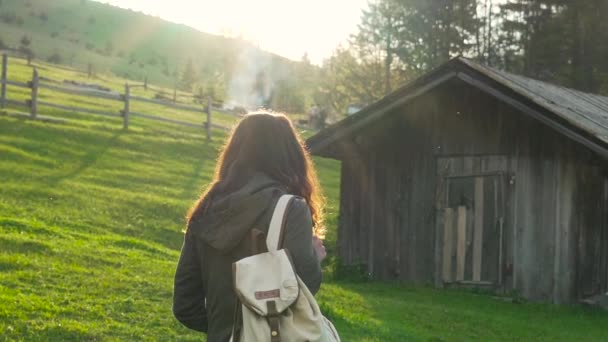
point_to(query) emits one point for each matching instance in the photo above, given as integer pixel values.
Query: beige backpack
(275, 304)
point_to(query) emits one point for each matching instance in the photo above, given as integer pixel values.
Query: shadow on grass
(94, 152)
(24, 247)
(60, 333)
(21, 225)
(357, 316)
(131, 244)
(10, 266)
(189, 188)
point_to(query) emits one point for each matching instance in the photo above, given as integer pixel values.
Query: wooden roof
(580, 116)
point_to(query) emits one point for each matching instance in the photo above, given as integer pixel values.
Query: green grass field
(91, 221)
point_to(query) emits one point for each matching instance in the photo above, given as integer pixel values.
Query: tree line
(559, 41)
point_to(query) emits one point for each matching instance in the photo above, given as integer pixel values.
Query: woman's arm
(188, 289)
(299, 241)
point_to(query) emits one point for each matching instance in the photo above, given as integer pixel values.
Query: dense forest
(559, 41)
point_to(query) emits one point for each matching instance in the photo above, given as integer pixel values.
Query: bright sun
(287, 27)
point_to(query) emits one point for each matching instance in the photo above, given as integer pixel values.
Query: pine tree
(188, 77)
(377, 33)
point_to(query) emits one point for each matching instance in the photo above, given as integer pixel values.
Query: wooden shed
(470, 176)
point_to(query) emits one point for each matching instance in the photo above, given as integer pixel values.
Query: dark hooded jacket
(203, 295)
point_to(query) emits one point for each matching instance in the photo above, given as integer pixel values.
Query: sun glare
(287, 27)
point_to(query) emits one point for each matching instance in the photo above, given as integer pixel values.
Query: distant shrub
(55, 58)
(43, 16)
(27, 52)
(92, 20)
(54, 34)
(355, 272)
(152, 61)
(141, 65)
(19, 21)
(161, 95)
(120, 54)
(8, 17)
(25, 41)
(89, 46)
(109, 49)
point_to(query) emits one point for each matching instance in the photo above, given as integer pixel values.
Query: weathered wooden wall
(555, 244)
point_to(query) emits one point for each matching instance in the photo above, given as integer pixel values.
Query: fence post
(4, 72)
(125, 112)
(208, 110)
(34, 100)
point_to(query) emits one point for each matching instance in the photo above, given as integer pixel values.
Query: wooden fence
(126, 98)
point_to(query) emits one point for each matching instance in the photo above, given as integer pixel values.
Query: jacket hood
(231, 217)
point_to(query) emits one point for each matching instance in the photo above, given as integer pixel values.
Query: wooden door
(470, 220)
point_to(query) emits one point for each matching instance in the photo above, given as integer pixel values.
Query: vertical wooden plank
(397, 219)
(389, 208)
(448, 243)
(478, 228)
(4, 72)
(604, 225)
(559, 181)
(371, 225)
(208, 111)
(344, 216)
(364, 204)
(461, 246)
(405, 219)
(125, 112)
(499, 187)
(34, 100)
(441, 229)
(380, 224)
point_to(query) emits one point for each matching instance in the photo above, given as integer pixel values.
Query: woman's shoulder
(299, 210)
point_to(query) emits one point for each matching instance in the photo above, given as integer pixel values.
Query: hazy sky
(286, 27)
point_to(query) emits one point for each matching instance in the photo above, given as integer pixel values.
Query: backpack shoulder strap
(277, 223)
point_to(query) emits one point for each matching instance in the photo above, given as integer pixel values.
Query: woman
(263, 159)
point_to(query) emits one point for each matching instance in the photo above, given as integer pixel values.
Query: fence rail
(16, 84)
(82, 92)
(17, 103)
(126, 98)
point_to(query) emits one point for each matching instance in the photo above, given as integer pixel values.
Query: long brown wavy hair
(267, 143)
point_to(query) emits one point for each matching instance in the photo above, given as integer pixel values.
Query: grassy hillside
(90, 231)
(136, 46)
